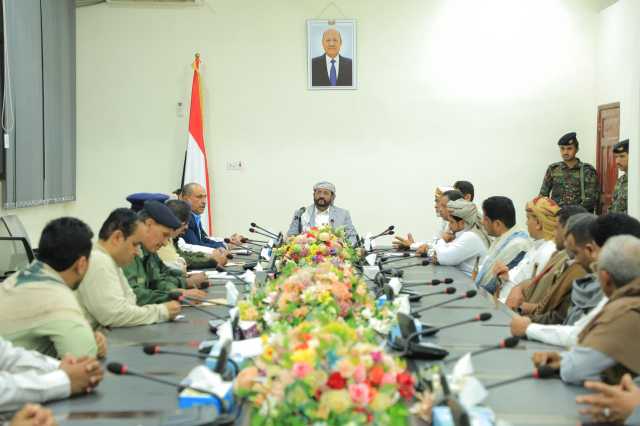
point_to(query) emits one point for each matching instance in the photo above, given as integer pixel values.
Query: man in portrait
(331, 69)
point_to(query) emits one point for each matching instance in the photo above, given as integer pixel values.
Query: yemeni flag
(195, 162)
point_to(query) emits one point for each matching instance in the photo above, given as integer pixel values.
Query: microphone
(417, 296)
(228, 241)
(468, 295)
(432, 282)
(256, 226)
(485, 316)
(180, 298)
(413, 265)
(509, 342)
(254, 242)
(123, 370)
(235, 275)
(150, 349)
(542, 372)
(255, 231)
(388, 231)
(213, 302)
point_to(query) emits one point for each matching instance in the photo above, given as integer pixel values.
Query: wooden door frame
(599, 159)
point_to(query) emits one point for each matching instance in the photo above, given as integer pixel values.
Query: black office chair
(15, 254)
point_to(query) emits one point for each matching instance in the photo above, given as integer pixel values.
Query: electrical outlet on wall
(235, 165)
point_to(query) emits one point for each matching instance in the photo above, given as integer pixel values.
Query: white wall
(618, 78)
(448, 90)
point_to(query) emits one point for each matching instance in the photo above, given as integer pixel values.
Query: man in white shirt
(105, 295)
(541, 224)
(28, 376)
(471, 241)
(443, 196)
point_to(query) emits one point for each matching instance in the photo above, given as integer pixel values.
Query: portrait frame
(318, 71)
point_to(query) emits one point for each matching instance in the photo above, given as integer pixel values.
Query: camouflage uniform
(150, 279)
(619, 203)
(195, 260)
(563, 183)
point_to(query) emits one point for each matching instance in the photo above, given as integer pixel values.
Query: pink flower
(360, 374)
(388, 379)
(376, 356)
(359, 393)
(301, 369)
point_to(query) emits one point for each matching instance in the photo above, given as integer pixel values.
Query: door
(608, 135)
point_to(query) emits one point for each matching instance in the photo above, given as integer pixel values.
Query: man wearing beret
(323, 213)
(570, 181)
(150, 279)
(621, 154)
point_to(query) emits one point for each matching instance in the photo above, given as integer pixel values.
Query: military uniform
(620, 192)
(577, 185)
(151, 280)
(619, 203)
(194, 259)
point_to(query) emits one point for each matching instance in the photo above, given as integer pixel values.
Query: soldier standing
(570, 181)
(621, 154)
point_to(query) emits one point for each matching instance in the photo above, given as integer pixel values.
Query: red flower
(318, 394)
(405, 385)
(375, 375)
(336, 381)
(302, 346)
(306, 337)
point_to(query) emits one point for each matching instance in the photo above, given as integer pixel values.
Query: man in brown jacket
(608, 346)
(545, 299)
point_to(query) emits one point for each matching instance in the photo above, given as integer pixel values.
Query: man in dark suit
(331, 69)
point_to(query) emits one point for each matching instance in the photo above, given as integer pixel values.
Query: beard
(321, 202)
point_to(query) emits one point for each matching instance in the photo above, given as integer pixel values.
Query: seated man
(471, 241)
(38, 309)
(323, 213)
(608, 346)
(443, 232)
(150, 279)
(28, 376)
(192, 260)
(541, 224)
(196, 196)
(613, 404)
(466, 188)
(105, 294)
(546, 298)
(509, 246)
(600, 230)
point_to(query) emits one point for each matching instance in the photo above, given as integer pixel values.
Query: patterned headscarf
(545, 210)
(468, 212)
(325, 185)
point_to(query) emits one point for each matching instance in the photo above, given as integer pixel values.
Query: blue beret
(138, 199)
(621, 147)
(568, 139)
(161, 214)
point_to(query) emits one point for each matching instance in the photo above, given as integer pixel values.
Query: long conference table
(126, 400)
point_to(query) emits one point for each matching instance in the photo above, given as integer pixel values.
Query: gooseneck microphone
(485, 316)
(180, 298)
(413, 265)
(212, 302)
(388, 231)
(509, 342)
(221, 364)
(255, 231)
(228, 241)
(155, 349)
(468, 295)
(245, 240)
(432, 282)
(123, 370)
(417, 296)
(256, 226)
(542, 372)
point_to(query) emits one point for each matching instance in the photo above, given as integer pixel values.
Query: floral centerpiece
(317, 246)
(326, 373)
(325, 292)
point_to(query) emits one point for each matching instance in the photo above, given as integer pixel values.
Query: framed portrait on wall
(331, 54)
